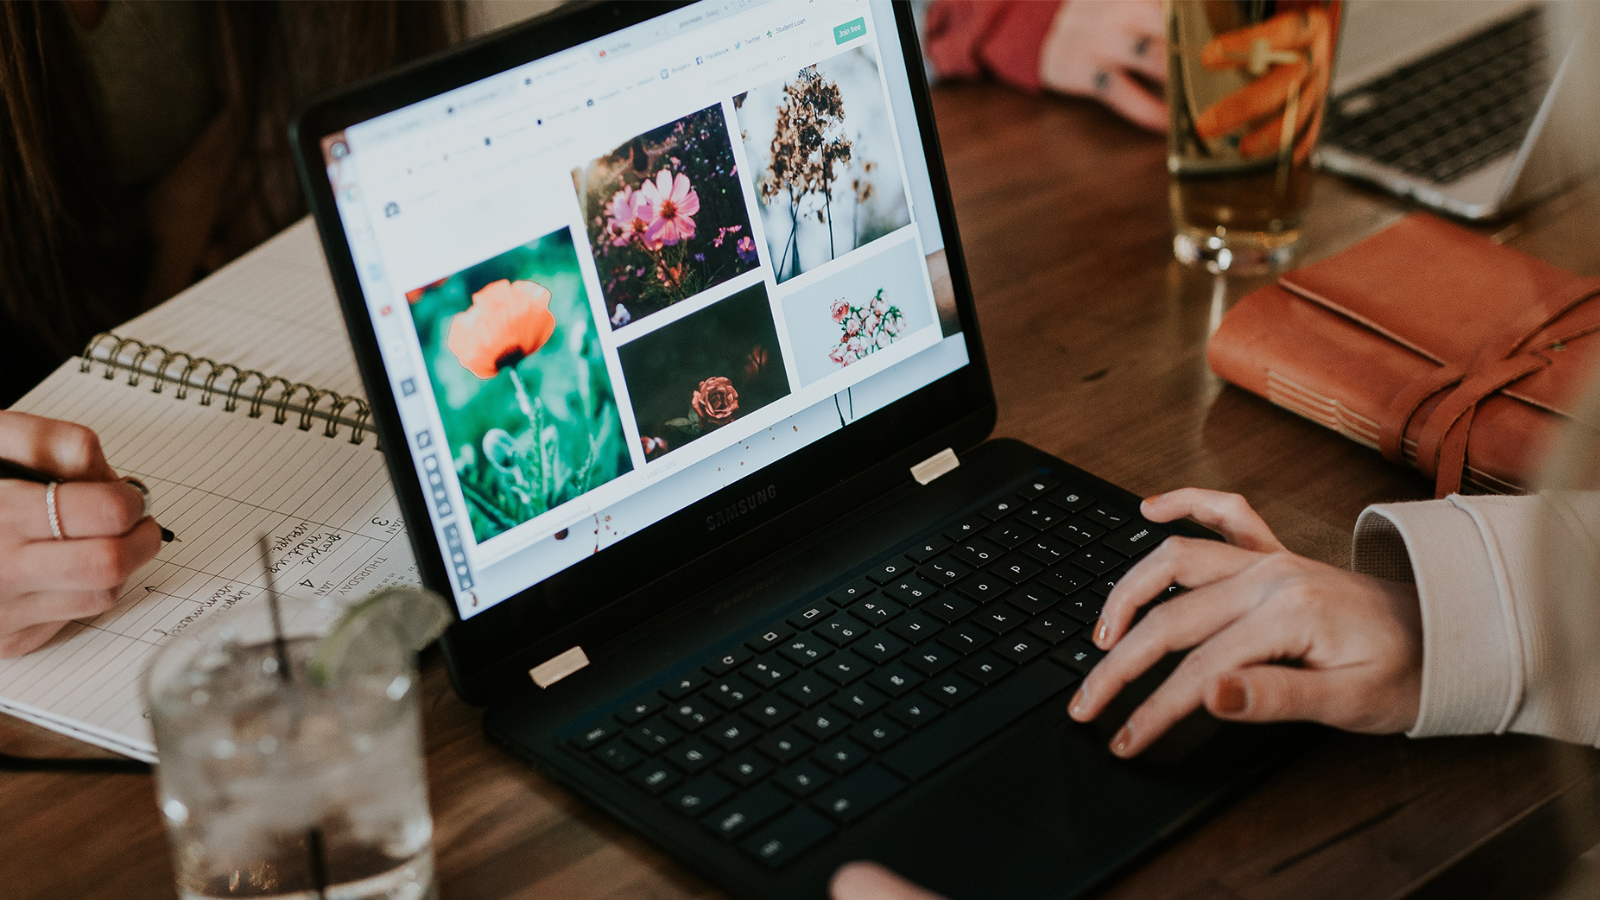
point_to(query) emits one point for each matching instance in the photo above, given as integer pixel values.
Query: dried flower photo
(848, 316)
(823, 161)
(513, 355)
(704, 371)
(666, 216)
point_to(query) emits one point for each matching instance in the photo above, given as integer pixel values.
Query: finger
(1257, 637)
(19, 614)
(87, 564)
(870, 881)
(1256, 100)
(1118, 90)
(1219, 511)
(1190, 562)
(1291, 30)
(1141, 49)
(1178, 624)
(83, 509)
(66, 450)
(1342, 697)
(28, 640)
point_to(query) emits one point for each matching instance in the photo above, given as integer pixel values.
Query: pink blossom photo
(666, 216)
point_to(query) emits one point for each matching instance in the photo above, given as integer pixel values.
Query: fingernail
(1119, 744)
(1231, 697)
(1153, 498)
(1076, 706)
(1100, 631)
(143, 489)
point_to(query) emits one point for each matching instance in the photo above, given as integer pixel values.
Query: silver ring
(1141, 46)
(50, 507)
(1102, 81)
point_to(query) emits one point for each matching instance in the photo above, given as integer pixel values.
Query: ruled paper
(218, 480)
(273, 310)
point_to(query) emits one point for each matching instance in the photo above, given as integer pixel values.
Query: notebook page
(273, 310)
(218, 480)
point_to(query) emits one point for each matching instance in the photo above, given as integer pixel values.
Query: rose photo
(823, 161)
(666, 216)
(513, 355)
(849, 315)
(704, 372)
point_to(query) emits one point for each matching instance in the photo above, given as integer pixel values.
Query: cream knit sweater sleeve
(1502, 649)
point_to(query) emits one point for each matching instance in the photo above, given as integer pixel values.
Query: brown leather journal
(1427, 342)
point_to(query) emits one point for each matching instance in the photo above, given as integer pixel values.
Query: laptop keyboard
(780, 739)
(1453, 112)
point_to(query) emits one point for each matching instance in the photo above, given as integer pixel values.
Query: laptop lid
(639, 292)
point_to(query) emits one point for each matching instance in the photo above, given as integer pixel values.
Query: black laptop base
(998, 794)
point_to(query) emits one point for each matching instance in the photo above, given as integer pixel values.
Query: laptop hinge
(558, 667)
(934, 466)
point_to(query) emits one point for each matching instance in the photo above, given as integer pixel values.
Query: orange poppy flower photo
(514, 361)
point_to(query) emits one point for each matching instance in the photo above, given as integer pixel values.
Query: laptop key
(1079, 532)
(876, 610)
(655, 777)
(840, 755)
(943, 571)
(692, 714)
(966, 528)
(807, 689)
(931, 659)
(1070, 501)
(1083, 606)
(895, 680)
(1095, 560)
(985, 668)
(732, 733)
(1016, 568)
(685, 684)
(1041, 516)
(822, 723)
(1108, 515)
(1055, 627)
(861, 793)
(1038, 487)
(692, 755)
(909, 590)
(731, 692)
(950, 689)
(927, 550)
(841, 629)
(654, 736)
(889, 571)
(1009, 535)
(803, 779)
(852, 592)
(983, 587)
(915, 627)
(745, 768)
(767, 671)
(811, 615)
(770, 638)
(1064, 579)
(792, 834)
(998, 510)
(1020, 648)
(734, 819)
(976, 552)
(879, 647)
(784, 745)
(729, 661)
(967, 639)
(596, 734)
(926, 752)
(770, 712)
(1134, 539)
(805, 650)
(699, 794)
(949, 609)
(618, 756)
(860, 702)
(1033, 599)
(914, 711)
(1000, 619)
(844, 668)
(1047, 549)
(878, 733)
(641, 709)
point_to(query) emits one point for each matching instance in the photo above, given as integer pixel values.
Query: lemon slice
(370, 630)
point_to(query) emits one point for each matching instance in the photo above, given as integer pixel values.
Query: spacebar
(991, 711)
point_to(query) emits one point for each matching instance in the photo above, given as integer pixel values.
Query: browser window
(616, 279)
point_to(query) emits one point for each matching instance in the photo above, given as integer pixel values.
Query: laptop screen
(613, 280)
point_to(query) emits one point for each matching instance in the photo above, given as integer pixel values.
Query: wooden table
(1097, 344)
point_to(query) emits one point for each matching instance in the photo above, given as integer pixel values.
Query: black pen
(9, 469)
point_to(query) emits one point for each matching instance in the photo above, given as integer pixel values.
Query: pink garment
(1003, 38)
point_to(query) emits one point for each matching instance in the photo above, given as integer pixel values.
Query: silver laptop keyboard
(1451, 113)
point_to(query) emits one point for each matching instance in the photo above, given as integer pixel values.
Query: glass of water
(276, 783)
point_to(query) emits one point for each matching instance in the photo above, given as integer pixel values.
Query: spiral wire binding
(155, 362)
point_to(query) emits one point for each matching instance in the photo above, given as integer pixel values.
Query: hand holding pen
(71, 530)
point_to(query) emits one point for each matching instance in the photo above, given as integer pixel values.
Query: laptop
(664, 319)
(1472, 107)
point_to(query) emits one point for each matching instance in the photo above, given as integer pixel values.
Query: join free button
(850, 30)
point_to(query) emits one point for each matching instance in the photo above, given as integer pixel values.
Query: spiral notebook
(238, 402)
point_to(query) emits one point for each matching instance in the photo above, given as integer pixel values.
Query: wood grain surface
(1097, 344)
